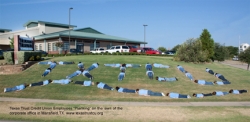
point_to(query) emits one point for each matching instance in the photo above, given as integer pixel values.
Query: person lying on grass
(222, 82)
(210, 71)
(121, 75)
(62, 81)
(102, 85)
(201, 95)
(124, 90)
(80, 65)
(146, 92)
(65, 62)
(166, 79)
(46, 72)
(160, 65)
(87, 74)
(220, 93)
(203, 82)
(16, 88)
(148, 66)
(76, 73)
(41, 83)
(93, 66)
(235, 91)
(181, 68)
(85, 83)
(177, 95)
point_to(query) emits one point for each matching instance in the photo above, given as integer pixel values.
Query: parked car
(149, 50)
(118, 48)
(74, 51)
(169, 52)
(235, 58)
(98, 50)
(1, 53)
(134, 49)
(43, 52)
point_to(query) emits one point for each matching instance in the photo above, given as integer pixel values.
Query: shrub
(9, 57)
(38, 58)
(32, 58)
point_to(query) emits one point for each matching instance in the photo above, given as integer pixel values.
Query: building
(243, 47)
(47, 34)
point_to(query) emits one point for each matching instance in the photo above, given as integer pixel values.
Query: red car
(134, 49)
(149, 50)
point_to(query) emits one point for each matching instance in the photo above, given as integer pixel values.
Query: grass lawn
(135, 78)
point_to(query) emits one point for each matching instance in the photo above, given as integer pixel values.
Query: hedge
(9, 57)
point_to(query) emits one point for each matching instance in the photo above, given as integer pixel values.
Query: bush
(32, 58)
(24, 56)
(9, 57)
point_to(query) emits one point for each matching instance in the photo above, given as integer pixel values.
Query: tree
(162, 49)
(221, 52)
(207, 43)
(176, 47)
(191, 51)
(233, 51)
(59, 45)
(245, 57)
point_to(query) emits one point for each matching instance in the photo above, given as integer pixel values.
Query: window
(117, 47)
(124, 47)
(49, 46)
(54, 47)
(40, 47)
(92, 46)
(65, 46)
(36, 47)
(245, 46)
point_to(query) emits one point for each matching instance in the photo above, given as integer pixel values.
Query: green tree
(221, 52)
(162, 49)
(176, 47)
(207, 43)
(245, 57)
(233, 51)
(191, 51)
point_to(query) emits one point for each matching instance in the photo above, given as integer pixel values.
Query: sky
(170, 22)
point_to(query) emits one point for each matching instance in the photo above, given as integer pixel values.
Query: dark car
(169, 52)
(75, 51)
(43, 52)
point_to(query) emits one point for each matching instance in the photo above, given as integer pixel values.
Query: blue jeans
(170, 79)
(128, 90)
(190, 77)
(222, 78)
(107, 87)
(150, 75)
(182, 96)
(88, 75)
(182, 69)
(226, 82)
(72, 75)
(120, 77)
(109, 65)
(209, 83)
(136, 65)
(149, 67)
(91, 68)
(37, 84)
(52, 66)
(45, 73)
(67, 62)
(11, 89)
(211, 72)
(151, 93)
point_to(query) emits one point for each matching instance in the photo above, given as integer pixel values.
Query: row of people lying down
(143, 92)
(150, 75)
(187, 74)
(204, 82)
(136, 65)
(79, 65)
(220, 93)
(220, 76)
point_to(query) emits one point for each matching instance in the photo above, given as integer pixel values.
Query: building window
(92, 46)
(40, 46)
(36, 47)
(54, 47)
(65, 46)
(49, 47)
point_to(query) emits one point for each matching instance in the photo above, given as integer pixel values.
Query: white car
(118, 48)
(98, 50)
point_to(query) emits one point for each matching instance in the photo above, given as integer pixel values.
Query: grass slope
(135, 78)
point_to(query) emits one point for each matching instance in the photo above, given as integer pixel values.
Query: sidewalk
(6, 99)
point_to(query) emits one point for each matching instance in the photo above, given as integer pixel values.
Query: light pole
(144, 33)
(69, 26)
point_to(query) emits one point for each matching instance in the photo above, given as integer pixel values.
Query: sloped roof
(49, 23)
(86, 35)
(88, 30)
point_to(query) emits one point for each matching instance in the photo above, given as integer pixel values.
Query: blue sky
(170, 22)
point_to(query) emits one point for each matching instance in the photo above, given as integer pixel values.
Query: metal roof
(50, 23)
(86, 35)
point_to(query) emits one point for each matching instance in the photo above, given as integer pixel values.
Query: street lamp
(144, 33)
(69, 26)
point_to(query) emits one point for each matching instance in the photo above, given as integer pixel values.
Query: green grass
(135, 78)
